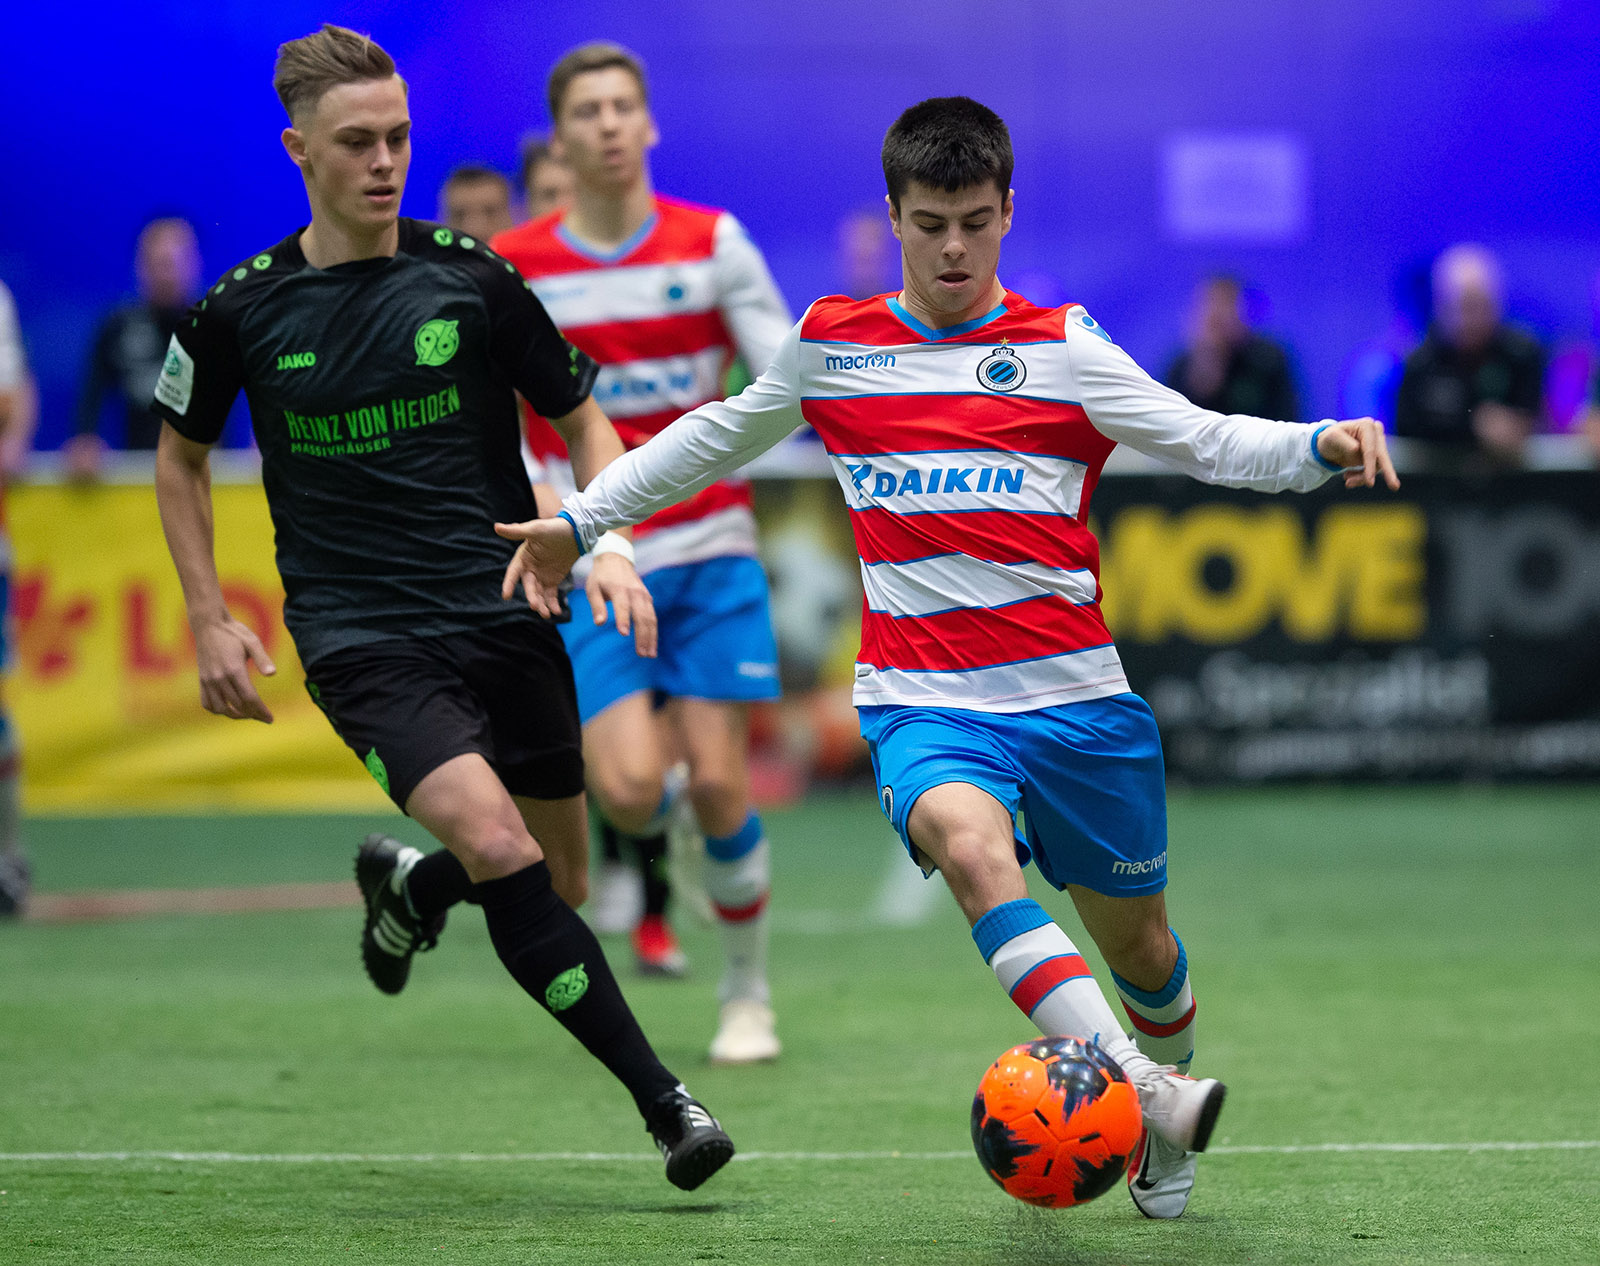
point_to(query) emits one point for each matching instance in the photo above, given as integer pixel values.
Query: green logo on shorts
(375, 766)
(567, 988)
(436, 341)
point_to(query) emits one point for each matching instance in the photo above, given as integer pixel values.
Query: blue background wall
(1422, 122)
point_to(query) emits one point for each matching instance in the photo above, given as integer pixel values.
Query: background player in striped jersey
(967, 428)
(663, 294)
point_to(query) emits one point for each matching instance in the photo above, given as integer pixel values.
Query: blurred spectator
(869, 255)
(546, 181)
(130, 346)
(476, 202)
(1229, 367)
(1475, 381)
(15, 397)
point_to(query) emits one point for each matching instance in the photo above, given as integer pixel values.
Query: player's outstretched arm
(224, 647)
(1360, 448)
(1125, 404)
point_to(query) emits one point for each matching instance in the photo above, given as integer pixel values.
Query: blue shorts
(715, 642)
(1088, 778)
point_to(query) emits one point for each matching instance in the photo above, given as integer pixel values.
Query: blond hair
(599, 55)
(308, 67)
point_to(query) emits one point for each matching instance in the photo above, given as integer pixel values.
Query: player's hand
(225, 649)
(1360, 448)
(546, 556)
(613, 579)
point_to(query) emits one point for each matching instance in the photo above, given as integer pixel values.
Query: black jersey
(381, 393)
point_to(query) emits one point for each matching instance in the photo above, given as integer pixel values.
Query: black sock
(436, 883)
(553, 955)
(610, 843)
(652, 853)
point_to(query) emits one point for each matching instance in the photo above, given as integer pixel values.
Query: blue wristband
(576, 535)
(1317, 453)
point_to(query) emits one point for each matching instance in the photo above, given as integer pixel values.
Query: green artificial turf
(1372, 966)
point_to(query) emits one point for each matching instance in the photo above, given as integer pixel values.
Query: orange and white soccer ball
(1055, 1121)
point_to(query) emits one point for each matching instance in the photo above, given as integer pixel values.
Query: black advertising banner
(1450, 629)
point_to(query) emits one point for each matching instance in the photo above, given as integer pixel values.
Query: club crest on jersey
(436, 341)
(1002, 369)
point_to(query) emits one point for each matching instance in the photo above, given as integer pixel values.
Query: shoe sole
(667, 971)
(693, 1168)
(1210, 1110)
(1135, 1169)
(733, 1061)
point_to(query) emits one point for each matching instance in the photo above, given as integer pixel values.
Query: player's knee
(628, 798)
(968, 854)
(489, 846)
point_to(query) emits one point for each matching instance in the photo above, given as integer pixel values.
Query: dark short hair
(309, 66)
(535, 150)
(599, 55)
(947, 143)
(475, 173)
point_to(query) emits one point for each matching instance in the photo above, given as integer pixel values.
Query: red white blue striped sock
(1042, 971)
(1163, 1022)
(738, 880)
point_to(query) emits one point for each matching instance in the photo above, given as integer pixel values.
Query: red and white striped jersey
(968, 456)
(664, 314)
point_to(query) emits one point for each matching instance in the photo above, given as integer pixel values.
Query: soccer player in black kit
(380, 356)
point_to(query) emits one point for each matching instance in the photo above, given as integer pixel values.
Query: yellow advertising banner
(102, 682)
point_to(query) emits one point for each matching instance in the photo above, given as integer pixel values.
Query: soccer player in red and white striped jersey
(663, 294)
(967, 428)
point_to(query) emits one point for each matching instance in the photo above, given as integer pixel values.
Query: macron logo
(1156, 863)
(875, 360)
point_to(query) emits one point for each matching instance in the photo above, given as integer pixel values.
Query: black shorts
(407, 705)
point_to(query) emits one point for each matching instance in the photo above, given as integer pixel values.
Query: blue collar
(949, 331)
(575, 243)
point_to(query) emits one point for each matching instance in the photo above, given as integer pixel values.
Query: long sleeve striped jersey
(967, 457)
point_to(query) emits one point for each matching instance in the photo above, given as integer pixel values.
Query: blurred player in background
(379, 356)
(129, 346)
(15, 411)
(476, 201)
(987, 681)
(663, 294)
(547, 183)
(617, 900)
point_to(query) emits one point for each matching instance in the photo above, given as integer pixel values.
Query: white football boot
(1181, 1110)
(747, 1033)
(1160, 1177)
(616, 901)
(1179, 1115)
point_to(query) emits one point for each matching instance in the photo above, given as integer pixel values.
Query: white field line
(534, 1158)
